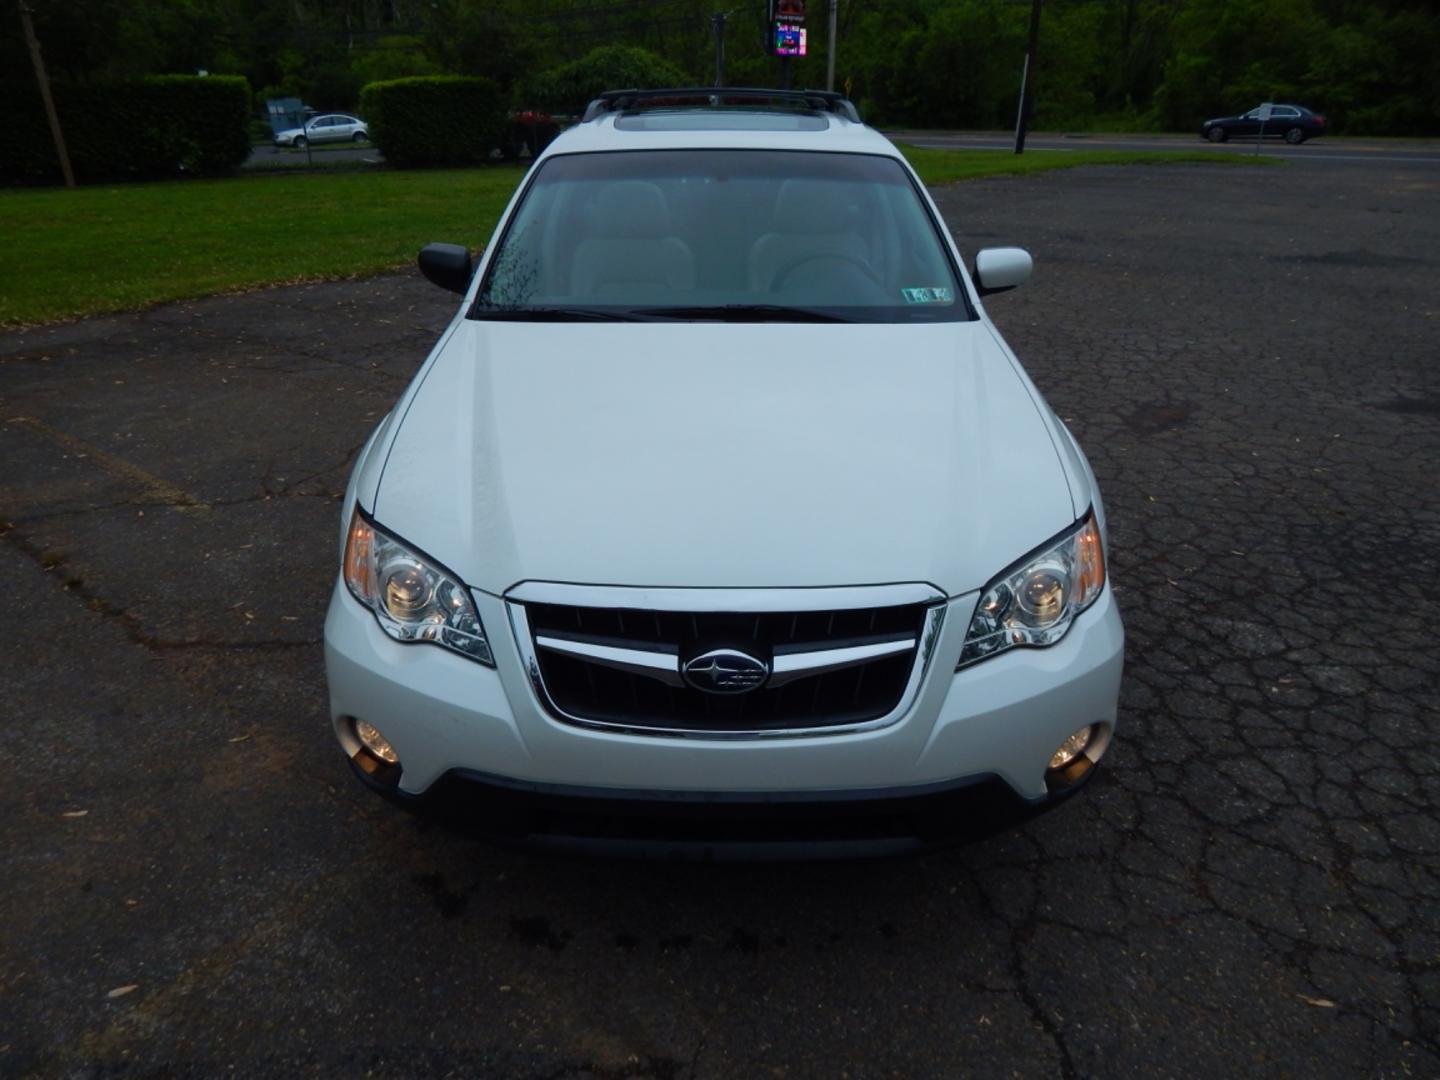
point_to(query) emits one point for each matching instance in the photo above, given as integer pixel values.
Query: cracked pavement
(195, 885)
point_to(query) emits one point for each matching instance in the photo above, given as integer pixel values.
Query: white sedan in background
(332, 127)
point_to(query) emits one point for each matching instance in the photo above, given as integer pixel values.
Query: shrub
(161, 125)
(570, 87)
(434, 119)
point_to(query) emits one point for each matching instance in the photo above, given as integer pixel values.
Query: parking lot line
(161, 491)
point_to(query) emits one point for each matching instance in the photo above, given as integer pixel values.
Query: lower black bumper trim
(722, 825)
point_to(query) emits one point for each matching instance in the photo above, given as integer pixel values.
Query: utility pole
(830, 53)
(718, 20)
(1027, 79)
(44, 81)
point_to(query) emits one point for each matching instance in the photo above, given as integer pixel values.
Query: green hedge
(434, 119)
(161, 125)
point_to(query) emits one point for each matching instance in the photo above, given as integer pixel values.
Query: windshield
(738, 235)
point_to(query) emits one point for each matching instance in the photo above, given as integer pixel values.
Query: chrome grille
(621, 667)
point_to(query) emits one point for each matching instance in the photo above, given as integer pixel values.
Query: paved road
(1381, 152)
(194, 886)
(1325, 150)
(276, 157)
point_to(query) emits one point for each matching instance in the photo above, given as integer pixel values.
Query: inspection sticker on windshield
(938, 294)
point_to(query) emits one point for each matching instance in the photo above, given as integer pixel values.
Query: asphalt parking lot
(195, 886)
(283, 157)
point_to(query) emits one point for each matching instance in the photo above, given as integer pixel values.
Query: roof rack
(717, 96)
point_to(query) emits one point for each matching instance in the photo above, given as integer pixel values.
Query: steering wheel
(854, 262)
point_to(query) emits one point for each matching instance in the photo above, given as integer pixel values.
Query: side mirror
(999, 269)
(447, 265)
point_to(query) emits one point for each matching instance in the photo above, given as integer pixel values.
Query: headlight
(412, 598)
(1035, 603)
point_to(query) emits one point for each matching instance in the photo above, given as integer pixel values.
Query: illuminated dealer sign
(787, 27)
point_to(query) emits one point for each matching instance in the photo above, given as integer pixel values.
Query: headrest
(632, 209)
(814, 206)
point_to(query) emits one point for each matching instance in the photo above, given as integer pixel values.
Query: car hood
(739, 455)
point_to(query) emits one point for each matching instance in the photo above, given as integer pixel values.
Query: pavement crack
(74, 585)
(1020, 935)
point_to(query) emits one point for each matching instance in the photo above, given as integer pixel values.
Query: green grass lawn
(101, 249)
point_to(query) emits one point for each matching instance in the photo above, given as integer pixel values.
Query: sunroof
(720, 120)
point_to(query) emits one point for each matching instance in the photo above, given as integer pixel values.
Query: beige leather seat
(631, 253)
(811, 218)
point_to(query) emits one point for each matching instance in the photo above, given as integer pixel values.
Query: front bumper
(446, 715)
(716, 826)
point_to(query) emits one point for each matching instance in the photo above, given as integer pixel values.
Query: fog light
(1072, 747)
(375, 742)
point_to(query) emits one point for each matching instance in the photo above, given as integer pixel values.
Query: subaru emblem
(725, 671)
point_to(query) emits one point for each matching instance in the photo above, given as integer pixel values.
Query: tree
(569, 87)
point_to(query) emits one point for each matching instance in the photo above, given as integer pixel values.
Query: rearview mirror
(999, 269)
(447, 265)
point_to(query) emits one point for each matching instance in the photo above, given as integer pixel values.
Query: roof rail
(718, 96)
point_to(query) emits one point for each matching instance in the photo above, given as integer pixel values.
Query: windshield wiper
(742, 313)
(553, 314)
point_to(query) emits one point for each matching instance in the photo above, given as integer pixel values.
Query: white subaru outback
(721, 513)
